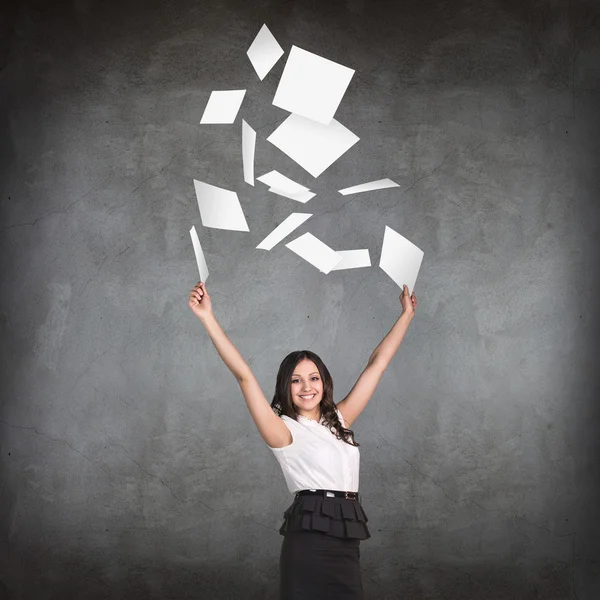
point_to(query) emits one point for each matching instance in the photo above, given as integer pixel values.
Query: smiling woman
(309, 436)
(306, 384)
(304, 388)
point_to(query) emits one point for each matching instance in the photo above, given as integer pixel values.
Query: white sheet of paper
(380, 184)
(248, 147)
(315, 252)
(312, 86)
(222, 107)
(219, 208)
(312, 145)
(400, 259)
(280, 182)
(200, 260)
(301, 197)
(264, 52)
(283, 230)
(353, 259)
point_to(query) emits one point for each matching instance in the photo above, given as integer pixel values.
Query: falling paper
(248, 147)
(283, 230)
(353, 259)
(312, 145)
(400, 259)
(300, 197)
(277, 181)
(202, 268)
(222, 107)
(219, 208)
(380, 184)
(264, 52)
(315, 252)
(312, 86)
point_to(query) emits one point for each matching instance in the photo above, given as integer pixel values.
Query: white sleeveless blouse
(316, 459)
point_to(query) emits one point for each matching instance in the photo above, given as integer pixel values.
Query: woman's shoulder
(288, 419)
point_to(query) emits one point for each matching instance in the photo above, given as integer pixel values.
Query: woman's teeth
(310, 397)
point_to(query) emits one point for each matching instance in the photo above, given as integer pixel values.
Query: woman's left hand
(409, 302)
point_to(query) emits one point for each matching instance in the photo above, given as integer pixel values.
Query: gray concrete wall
(130, 465)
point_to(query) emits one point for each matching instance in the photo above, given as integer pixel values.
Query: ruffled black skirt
(320, 553)
(335, 517)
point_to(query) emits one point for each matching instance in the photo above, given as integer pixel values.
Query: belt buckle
(348, 498)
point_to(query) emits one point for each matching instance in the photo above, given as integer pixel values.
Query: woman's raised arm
(354, 403)
(270, 426)
(201, 306)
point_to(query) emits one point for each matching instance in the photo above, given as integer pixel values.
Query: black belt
(329, 493)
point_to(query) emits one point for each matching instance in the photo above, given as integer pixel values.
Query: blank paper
(202, 268)
(222, 107)
(380, 184)
(300, 197)
(312, 86)
(219, 208)
(248, 147)
(264, 52)
(315, 252)
(353, 259)
(280, 182)
(283, 230)
(312, 145)
(400, 259)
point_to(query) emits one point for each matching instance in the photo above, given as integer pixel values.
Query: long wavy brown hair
(282, 400)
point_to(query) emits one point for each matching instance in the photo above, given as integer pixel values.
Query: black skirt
(320, 553)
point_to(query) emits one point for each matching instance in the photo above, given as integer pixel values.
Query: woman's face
(306, 386)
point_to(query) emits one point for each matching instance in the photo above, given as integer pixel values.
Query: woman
(311, 440)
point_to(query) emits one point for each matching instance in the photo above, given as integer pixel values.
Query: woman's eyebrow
(313, 373)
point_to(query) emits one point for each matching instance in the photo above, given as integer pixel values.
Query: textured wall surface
(130, 465)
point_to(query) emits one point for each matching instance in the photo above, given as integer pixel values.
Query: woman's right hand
(200, 302)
